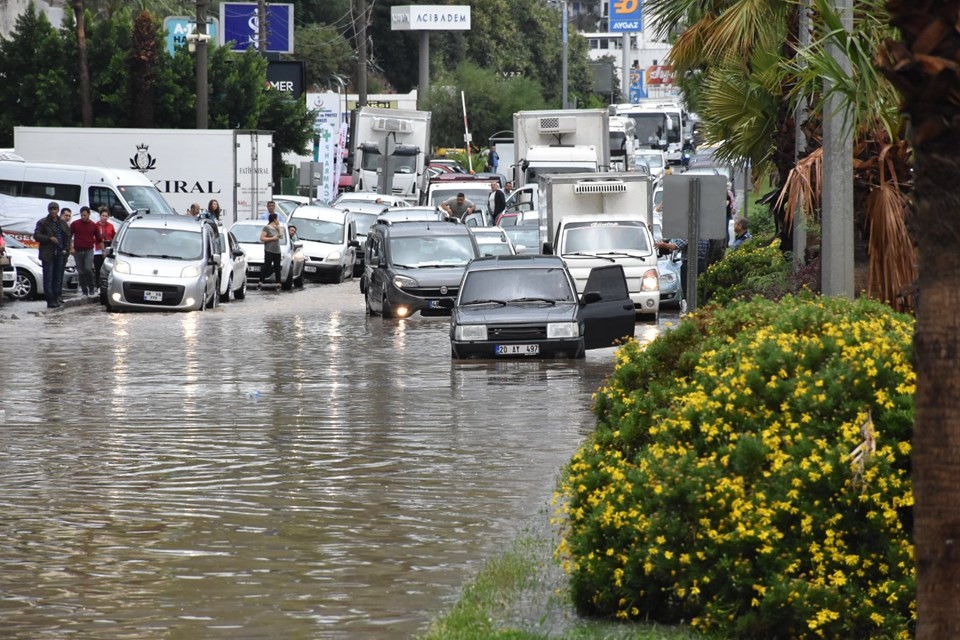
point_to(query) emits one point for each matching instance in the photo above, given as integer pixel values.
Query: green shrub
(721, 486)
(756, 269)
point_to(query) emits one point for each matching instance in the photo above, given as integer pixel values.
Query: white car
(656, 162)
(233, 268)
(493, 241)
(388, 200)
(292, 259)
(329, 238)
(23, 280)
(287, 204)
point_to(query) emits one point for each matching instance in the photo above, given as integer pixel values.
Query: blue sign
(637, 92)
(626, 15)
(178, 27)
(241, 26)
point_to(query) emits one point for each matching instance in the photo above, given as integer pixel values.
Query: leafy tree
(144, 60)
(325, 53)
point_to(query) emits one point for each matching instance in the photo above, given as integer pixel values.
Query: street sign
(178, 28)
(711, 214)
(241, 26)
(626, 15)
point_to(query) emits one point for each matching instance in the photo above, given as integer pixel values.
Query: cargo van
(27, 187)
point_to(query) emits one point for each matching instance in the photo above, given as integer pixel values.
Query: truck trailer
(403, 132)
(233, 167)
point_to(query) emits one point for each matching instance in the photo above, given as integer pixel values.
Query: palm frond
(893, 258)
(745, 26)
(801, 190)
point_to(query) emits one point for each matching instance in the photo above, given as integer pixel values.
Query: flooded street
(279, 467)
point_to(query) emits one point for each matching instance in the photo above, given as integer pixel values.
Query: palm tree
(923, 66)
(86, 101)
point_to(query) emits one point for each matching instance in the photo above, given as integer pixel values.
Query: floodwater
(280, 467)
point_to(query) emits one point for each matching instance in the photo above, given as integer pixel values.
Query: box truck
(560, 141)
(591, 219)
(233, 167)
(396, 138)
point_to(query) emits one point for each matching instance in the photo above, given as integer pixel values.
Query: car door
(612, 316)
(374, 270)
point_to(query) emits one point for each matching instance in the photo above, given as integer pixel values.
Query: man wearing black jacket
(53, 235)
(496, 202)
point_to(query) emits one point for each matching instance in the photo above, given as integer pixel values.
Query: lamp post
(199, 44)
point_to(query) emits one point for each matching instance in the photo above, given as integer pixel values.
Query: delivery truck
(591, 219)
(398, 139)
(233, 167)
(560, 141)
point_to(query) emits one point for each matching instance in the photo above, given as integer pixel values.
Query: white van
(329, 238)
(27, 187)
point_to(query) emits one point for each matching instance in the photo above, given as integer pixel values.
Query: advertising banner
(286, 76)
(429, 17)
(659, 74)
(241, 26)
(626, 15)
(326, 135)
(178, 27)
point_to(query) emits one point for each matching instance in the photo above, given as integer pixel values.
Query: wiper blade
(545, 300)
(405, 266)
(163, 256)
(473, 302)
(629, 254)
(585, 254)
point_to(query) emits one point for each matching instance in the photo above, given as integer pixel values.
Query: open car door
(610, 317)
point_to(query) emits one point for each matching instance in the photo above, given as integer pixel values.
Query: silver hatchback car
(164, 262)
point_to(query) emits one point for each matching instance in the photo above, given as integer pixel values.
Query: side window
(10, 187)
(52, 191)
(100, 196)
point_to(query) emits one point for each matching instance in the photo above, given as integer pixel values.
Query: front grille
(521, 332)
(172, 294)
(424, 292)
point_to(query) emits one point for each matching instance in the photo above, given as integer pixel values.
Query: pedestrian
(292, 231)
(107, 233)
(493, 159)
(741, 232)
(458, 206)
(270, 236)
(508, 188)
(272, 209)
(214, 210)
(496, 201)
(194, 210)
(86, 238)
(66, 214)
(53, 236)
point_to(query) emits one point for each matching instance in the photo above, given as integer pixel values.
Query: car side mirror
(108, 252)
(297, 245)
(374, 261)
(214, 259)
(589, 297)
(238, 253)
(547, 249)
(354, 243)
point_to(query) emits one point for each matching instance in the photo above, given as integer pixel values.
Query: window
(102, 196)
(51, 191)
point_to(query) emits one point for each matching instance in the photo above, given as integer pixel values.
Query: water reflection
(263, 473)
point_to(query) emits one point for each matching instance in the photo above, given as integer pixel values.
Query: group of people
(212, 212)
(460, 206)
(84, 239)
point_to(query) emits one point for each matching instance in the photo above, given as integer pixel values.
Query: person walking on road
(53, 236)
(107, 233)
(86, 237)
(270, 236)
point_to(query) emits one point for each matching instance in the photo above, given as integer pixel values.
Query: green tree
(144, 60)
(325, 53)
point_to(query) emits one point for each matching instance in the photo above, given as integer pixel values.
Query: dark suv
(414, 266)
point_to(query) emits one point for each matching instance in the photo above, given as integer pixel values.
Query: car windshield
(13, 243)
(432, 251)
(146, 198)
(319, 230)
(476, 196)
(523, 236)
(161, 242)
(250, 233)
(654, 161)
(287, 206)
(491, 245)
(364, 221)
(604, 237)
(506, 285)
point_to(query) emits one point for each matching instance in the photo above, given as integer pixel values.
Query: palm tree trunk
(922, 66)
(86, 102)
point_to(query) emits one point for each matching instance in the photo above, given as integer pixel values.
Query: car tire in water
(363, 284)
(288, 283)
(385, 310)
(25, 286)
(241, 293)
(226, 296)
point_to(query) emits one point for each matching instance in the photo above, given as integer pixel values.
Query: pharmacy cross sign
(626, 15)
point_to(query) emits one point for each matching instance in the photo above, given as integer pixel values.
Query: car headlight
(401, 282)
(650, 281)
(190, 272)
(121, 266)
(563, 330)
(333, 256)
(668, 278)
(465, 332)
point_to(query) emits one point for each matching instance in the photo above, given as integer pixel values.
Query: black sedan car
(527, 306)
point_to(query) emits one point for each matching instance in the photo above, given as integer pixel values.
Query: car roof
(317, 212)
(519, 261)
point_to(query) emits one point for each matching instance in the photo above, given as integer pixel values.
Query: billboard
(241, 26)
(659, 74)
(429, 17)
(625, 15)
(286, 76)
(326, 136)
(178, 27)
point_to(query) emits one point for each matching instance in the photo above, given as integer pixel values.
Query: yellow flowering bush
(750, 475)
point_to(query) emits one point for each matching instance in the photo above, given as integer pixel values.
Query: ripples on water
(237, 475)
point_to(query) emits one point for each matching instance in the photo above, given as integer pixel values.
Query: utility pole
(565, 54)
(201, 62)
(361, 30)
(262, 27)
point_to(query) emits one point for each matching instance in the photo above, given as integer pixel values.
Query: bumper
(322, 270)
(646, 302)
(670, 299)
(492, 350)
(173, 294)
(405, 304)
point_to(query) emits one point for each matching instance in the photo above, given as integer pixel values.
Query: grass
(522, 595)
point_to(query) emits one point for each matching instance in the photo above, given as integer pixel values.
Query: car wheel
(215, 297)
(241, 293)
(298, 282)
(363, 284)
(226, 296)
(288, 283)
(366, 302)
(103, 296)
(25, 286)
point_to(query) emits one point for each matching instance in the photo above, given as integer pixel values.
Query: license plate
(310, 269)
(254, 268)
(153, 296)
(518, 349)
(433, 304)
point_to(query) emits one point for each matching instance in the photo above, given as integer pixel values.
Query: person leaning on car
(458, 206)
(53, 236)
